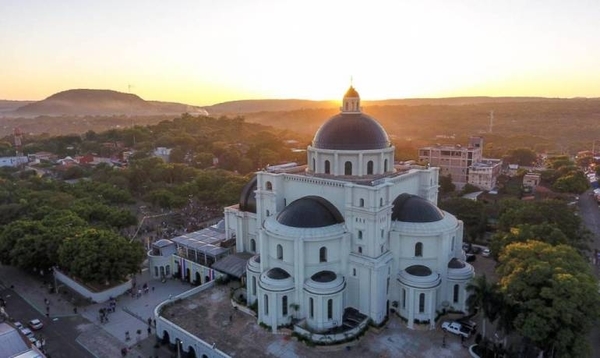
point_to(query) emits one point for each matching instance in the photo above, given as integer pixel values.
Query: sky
(203, 52)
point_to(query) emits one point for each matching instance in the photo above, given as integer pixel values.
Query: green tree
(471, 212)
(100, 256)
(520, 156)
(571, 183)
(554, 293)
(483, 296)
(446, 184)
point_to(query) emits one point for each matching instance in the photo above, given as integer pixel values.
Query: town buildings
(463, 164)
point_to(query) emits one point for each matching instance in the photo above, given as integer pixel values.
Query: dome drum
(325, 283)
(253, 264)
(419, 276)
(276, 279)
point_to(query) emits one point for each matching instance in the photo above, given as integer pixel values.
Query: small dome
(310, 212)
(351, 131)
(418, 270)
(247, 197)
(277, 273)
(324, 276)
(456, 264)
(414, 209)
(351, 92)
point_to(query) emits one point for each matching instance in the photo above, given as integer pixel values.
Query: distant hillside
(276, 105)
(100, 103)
(9, 106)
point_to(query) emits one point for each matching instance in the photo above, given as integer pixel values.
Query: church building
(349, 231)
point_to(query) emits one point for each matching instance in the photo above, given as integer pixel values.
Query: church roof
(247, 197)
(310, 212)
(413, 208)
(351, 131)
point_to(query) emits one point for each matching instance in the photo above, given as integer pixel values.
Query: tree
(571, 183)
(471, 212)
(521, 156)
(100, 256)
(555, 295)
(446, 184)
(483, 296)
(514, 213)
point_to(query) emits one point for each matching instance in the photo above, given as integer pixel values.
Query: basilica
(351, 230)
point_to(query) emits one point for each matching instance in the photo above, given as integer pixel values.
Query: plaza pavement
(100, 339)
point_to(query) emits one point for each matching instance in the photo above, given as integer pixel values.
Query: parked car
(456, 328)
(35, 324)
(467, 323)
(18, 324)
(27, 332)
(486, 253)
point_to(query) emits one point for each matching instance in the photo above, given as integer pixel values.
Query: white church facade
(348, 232)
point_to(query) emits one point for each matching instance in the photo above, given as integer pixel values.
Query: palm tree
(483, 297)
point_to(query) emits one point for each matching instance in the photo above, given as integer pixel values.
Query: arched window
(168, 270)
(268, 213)
(314, 166)
(403, 298)
(327, 167)
(380, 201)
(360, 234)
(369, 167)
(353, 272)
(455, 295)
(452, 243)
(419, 249)
(252, 245)
(387, 287)
(269, 186)
(361, 202)
(385, 166)
(266, 305)
(155, 271)
(254, 286)
(311, 308)
(279, 252)
(348, 168)
(360, 249)
(323, 254)
(329, 309)
(421, 303)
(284, 306)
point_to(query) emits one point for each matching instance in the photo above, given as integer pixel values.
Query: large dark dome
(247, 197)
(351, 131)
(414, 209)
(310, 212)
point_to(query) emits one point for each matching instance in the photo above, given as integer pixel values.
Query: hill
(9, 106)
(272, 105)
(99, 103)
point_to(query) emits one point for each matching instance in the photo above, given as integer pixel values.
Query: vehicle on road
(456, 328)
(35, 324)
(486, 253)
(27, 332)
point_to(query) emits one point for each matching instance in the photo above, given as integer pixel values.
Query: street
(59, 333)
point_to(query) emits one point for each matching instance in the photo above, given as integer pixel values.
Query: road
(590, 215)
(59, 333)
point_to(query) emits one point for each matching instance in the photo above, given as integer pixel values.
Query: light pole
(179, 343)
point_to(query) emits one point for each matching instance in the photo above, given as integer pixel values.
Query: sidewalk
(104, 339)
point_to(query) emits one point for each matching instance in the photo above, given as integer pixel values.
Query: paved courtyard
(209, 315)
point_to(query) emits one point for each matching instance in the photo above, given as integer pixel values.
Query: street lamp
(179, 349)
